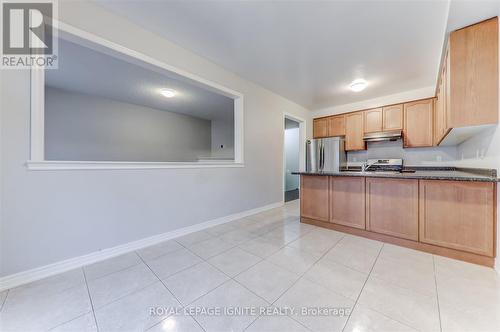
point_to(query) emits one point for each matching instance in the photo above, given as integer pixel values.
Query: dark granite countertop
(425, 173)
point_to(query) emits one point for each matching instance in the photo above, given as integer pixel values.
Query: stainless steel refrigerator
(325, 154)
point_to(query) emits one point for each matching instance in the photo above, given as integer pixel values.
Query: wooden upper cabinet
(314, 197)
(373, 120)
(458, 215)
(392, 207)
(418, 123)
(384, 118)
(320, 128)
(473, 67)
(354, 132)
(392, 117)
(347, 201)
(336, 125)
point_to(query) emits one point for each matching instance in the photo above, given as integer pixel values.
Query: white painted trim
(302, 134)
(47, 165)
(25, 277)
(302, 142)
(37, 156)
(74, 34)
(239, 136)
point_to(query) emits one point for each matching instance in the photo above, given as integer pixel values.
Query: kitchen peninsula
(449, 212)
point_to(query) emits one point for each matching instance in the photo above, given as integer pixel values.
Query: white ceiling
(307, 51)
(463, 13)
(85, 70)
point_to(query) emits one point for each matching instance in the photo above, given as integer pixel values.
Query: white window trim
(37, 126)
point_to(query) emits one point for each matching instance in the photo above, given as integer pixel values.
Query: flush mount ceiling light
(358, 85)
(168, 93)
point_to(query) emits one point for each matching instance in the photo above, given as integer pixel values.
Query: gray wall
(48, 216)
(223, 134)
(85, 127)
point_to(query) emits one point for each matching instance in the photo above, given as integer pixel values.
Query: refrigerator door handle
(322, 156)
(319, 155)
(323, 151)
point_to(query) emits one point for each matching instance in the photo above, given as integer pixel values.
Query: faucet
(365, 166)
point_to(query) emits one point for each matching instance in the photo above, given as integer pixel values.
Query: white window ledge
(49, 165)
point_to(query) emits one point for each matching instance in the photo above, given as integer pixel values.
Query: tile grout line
(375, 310)
(68, 321)
(233, 278)
(437, 293)
(248, 251)
(185, 246)
(110, 273)
(175, 297)
(129, 293)
(300, 277)
(160, 255)
(206, 259)
(277, 225)
(362, 288)
(159, 279)
(90, 298)
(280, 247)
(92, 308)
(308, 269)
(181, 270)
(238, 246)
(4, 300)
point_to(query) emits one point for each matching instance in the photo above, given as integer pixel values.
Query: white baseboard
(38, 273)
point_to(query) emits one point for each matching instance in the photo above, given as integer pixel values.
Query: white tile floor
(267, 262)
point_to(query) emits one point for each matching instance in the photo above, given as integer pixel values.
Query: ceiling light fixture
(358, 85)
(168, 93)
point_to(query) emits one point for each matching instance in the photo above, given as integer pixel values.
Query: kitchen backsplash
(412, 156)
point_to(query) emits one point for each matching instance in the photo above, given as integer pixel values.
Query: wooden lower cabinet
(452, 218)
(347, 201)
(314, 202)
(458, 215)
(392, 207)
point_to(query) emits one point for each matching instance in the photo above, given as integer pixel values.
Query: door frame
(302, 148)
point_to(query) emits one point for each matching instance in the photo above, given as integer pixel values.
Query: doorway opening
(292, 158)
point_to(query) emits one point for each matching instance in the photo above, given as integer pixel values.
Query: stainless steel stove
(383, 165)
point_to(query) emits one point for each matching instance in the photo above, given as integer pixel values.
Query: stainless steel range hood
(391, 135)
